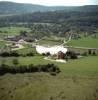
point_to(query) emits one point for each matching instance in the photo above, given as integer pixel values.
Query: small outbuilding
(61, 55)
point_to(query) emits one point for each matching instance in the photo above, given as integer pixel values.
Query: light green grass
(49, 42)
(85, 42)
(12, 30)
(2, 44)
(26, 50)
(84, 66)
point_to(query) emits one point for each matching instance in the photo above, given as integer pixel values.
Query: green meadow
(83, 66)
(12, 31)
(85, 42)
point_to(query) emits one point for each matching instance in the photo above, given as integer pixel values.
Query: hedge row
(14, 54)
(51, 68)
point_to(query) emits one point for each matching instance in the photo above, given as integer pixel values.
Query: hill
(18, 8)
(55, 20)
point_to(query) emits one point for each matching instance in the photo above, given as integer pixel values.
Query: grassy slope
(41, 86)
(77, 81)
(27, 50)
(49, 42)
(84, 66)
(2, 44)
(85, 42)
(12, 30)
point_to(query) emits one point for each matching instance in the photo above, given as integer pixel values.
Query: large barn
(51, 49)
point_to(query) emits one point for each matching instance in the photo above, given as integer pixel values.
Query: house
(61, 55)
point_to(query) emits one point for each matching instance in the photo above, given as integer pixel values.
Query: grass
(2, 44)
(78, 80)
(42, 86)
(49, 42)
(26, 50)
(83, 66)
(12, 30)
(85, 42)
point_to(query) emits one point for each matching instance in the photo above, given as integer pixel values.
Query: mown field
(49, 42)
(2, 44)
(85, 42)
(12, 31)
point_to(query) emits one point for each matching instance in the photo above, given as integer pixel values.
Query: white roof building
(52, 50)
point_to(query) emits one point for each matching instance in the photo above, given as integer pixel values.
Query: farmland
(85, 42)
(42, 86)
(12, 31)
(83, 66)
(22, 75)
(73, 82)
(76, 78)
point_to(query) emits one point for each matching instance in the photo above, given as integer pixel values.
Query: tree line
(50, 68)
(15, 54)
(63, 21)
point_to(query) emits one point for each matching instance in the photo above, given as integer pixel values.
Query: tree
(89, 52)
(23, 33)
(15, 62)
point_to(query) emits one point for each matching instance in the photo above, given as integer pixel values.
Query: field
(42, 86)
(12, 31)
(84, 66)
(2, 44)
(50, 41)
(78, 79)
(85, 42)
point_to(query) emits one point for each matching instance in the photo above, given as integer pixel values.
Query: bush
(94, 53)
(71, 54)
(15, 62)
(51, 68)
(30, 54)
(14, 54)
(89, 52)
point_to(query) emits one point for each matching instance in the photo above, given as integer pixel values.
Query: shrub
(71, 54)
(14, 54)
(51, 68)
(94, 53)
(89, 52)
(30, 54)
(15, 62)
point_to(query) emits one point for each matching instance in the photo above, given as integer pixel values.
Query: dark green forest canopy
(60, 19)
(65, 19)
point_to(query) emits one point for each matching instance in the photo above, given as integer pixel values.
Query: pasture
(84, 66)
(12, 31)
(42, 86)
(85, 42)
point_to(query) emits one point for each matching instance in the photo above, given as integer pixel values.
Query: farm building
(61, 55)
(52, 50)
